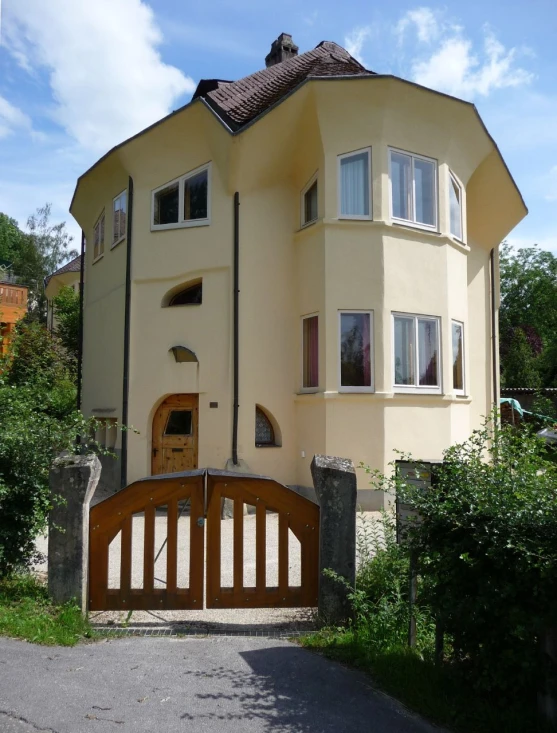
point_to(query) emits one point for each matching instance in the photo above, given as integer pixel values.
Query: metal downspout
(236, 329)
(126, 376)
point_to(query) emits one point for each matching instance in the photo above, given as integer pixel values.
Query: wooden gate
(184, 496)
(121, 513)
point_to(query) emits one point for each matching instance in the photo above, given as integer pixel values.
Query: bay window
(354, 182)
(310, 352)
(457, 334)
(417, 351)
(413, 189)
(455, 204)
(310, 202)
(356, 329)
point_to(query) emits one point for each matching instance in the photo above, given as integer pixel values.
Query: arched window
(267, 432)
(192, 295)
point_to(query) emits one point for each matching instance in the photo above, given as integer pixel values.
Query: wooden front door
(175, 434)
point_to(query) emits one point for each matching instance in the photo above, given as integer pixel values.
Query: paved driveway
(206, 685)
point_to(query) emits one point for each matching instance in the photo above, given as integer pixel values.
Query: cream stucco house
(303, 261)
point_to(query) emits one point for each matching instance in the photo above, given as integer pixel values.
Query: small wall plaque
(213, 404)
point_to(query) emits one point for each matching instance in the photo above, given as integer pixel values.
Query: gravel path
(277, 619)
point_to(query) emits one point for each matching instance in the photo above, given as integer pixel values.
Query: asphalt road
(206, 685)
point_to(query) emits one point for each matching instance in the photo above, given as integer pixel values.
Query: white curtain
(354, 185)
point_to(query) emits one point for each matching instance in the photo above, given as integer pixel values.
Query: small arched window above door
(267, 432)
(188, 294)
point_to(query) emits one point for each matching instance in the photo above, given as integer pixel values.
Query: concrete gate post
(73, 479)
(335, 484)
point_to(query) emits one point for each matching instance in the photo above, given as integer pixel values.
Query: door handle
(155, 451)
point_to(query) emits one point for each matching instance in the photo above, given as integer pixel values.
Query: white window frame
(97, 257)
(412, 222)
(361, 217)
(305, 189)
(463, 390)
(183, 223)
(460, 187)
(371, 388)
(116, 242)
(416, 388)
(309, 390)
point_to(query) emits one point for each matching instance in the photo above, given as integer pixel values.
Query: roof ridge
(239, 102)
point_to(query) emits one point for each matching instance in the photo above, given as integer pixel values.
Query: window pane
(179, 423)
(354, 185)
(264, 433)
(195, 197)
(310, 203)
(166, 205)
(401, 183)
(310, 352)
(455, 199)
(424, 179)
(355, 350)
(428, 353)
(189, 296)
(458, 357)
(405, 351)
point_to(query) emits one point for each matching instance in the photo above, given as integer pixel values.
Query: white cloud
(106, 74)
(425, 22)
(11, 118)
(355, 40)
(457, 69)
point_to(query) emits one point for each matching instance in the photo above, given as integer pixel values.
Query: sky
(79, 76)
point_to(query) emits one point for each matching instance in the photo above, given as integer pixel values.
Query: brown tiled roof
(239, 102)
(71, 266)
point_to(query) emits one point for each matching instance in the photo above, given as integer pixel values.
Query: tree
(50, 243)
(528, 305)
(66, 311)
(35, 254)
(519, 368)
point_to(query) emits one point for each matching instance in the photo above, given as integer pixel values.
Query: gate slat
(260, 547)
(126, 559)
(172, 546)
(213, 549)
(149, 550)
(238, 546)
(197, 548)
(283, 553)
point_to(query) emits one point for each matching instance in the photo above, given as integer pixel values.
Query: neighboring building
(13, 305)
(369, 214)
(69, 275)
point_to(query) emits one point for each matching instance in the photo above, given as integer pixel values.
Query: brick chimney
(282, 49)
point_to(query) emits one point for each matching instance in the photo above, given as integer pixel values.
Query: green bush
(38, 420)
(487, 548)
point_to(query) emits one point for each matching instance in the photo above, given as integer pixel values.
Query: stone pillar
(73, 480)
(335, 484)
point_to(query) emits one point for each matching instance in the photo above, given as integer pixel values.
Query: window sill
(308, 224)
(355, 217)
(98, 258)
(415, 391)
(265, 445)
(180, 225)
(415, 225)
(119, 241)
(309, 390)
(356, 390)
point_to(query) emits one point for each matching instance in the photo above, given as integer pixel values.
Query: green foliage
(487, 548)
(26, 612)
(35, 254)
(528, 304)
(519, 365)
(66, 310)
(544, 406)
(38, 420)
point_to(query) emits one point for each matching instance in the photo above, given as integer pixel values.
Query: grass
(427, 689)
(27, 612)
